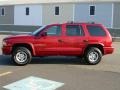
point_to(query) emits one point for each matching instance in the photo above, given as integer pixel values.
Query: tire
(93, 56)
(21, 56)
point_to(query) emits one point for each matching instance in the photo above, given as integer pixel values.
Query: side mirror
(43, 34)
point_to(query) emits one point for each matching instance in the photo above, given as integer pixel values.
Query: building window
(27, 11)
(92, 10)
(56, 10)
(2, 11)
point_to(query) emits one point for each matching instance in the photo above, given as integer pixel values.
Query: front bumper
(108, 50)
(6, 50)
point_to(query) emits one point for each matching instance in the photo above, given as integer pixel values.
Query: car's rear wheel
(93, 56)
(21, 56)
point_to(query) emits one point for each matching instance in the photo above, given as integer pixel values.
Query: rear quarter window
(96, 30)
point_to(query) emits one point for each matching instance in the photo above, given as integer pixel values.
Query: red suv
(88, 40)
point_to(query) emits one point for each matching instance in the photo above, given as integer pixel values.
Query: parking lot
(71, 71)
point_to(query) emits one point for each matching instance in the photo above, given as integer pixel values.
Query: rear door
(73, 41)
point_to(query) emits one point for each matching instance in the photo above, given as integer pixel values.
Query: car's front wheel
(21, 56)
(93, 55)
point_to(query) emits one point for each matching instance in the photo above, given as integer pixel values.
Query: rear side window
(96, 30)
(74, 30)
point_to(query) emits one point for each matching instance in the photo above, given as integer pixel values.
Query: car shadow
(58, 60)
(6, 60)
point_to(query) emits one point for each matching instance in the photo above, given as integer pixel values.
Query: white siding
(103, 13)
(35, 17)
(65, 13)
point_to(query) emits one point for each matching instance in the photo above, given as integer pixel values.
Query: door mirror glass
(43, 34)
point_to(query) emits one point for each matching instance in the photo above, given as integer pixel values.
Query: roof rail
(91, 22)
(72, 22)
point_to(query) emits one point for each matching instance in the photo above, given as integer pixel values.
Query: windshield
(38, 30)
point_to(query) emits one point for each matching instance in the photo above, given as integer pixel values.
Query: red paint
(59, 45)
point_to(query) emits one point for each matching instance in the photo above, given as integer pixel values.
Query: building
(41, 12)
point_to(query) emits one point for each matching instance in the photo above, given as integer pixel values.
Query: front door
(49, 45)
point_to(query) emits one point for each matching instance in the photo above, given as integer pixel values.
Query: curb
(116, 39)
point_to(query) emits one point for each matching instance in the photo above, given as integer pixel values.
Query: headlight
(4, 43)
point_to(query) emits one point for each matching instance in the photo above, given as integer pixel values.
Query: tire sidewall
(25, 50)
(93, 49)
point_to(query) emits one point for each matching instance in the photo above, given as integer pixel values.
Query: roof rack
(91, 22)
(72, 22)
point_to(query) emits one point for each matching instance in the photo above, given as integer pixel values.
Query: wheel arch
(99, 46)
(28, 46)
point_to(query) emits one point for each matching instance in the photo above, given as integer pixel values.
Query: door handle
(60, 40)
(85, 40)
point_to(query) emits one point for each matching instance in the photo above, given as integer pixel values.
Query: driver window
(54, 31)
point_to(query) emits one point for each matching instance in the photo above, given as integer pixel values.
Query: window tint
(96, 31)
(54, 31)
(74, 30)
(2, 11)
(92, 10)
(56, 10)
(27, 10)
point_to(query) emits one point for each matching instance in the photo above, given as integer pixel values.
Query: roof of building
(14, 2)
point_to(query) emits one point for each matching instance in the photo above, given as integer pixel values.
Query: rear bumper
(108, 50)
(6, 50)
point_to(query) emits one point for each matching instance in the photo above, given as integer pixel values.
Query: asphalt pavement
(74, 73)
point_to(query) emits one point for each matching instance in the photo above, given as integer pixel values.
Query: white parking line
(34, 83)
(6, 73)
